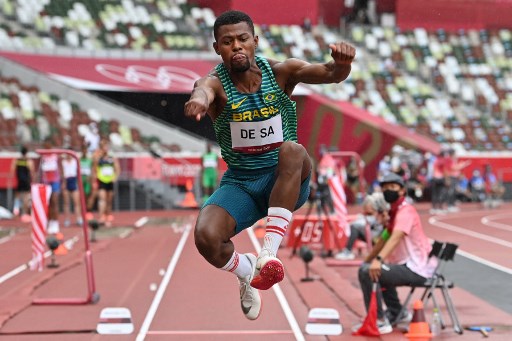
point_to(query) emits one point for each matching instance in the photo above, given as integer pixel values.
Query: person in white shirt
(70, 193)
(92, 138)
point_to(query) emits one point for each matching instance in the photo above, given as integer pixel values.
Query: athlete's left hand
(342, 53)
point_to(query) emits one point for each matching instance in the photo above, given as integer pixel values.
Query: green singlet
(253, 125)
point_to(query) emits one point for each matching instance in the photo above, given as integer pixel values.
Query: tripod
(321, 205)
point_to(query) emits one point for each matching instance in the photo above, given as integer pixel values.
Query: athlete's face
(104, 146)
(236, 45)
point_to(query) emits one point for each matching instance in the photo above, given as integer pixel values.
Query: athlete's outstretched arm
(202, 97)
(294, 71)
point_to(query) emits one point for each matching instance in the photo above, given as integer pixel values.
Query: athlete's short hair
(231, 18)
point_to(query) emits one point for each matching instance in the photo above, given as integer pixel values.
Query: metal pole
(92, 296)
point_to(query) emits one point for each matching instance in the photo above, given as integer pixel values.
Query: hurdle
(92, 296)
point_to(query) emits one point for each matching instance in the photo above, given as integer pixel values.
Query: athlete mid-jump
(255, 122)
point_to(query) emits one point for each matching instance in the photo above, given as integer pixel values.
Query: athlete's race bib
(49, 163)
(257, 137)
(210, 163)
(107, 170)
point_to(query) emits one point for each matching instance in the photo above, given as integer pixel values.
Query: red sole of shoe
(270, 274)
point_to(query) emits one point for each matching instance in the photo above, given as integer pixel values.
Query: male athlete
(248, 99)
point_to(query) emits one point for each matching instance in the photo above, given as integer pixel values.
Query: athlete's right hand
(195, 108)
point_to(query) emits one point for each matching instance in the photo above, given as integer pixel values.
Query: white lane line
(488, 220)
(125, 234)
(450, 227)
(19, 269)
(7, 238)
(485, 262)
(163, 285)
(280, 296)
(219, 332)
(68, 243)
(141, 222)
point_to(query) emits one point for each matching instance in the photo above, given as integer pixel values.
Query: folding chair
(445, 252)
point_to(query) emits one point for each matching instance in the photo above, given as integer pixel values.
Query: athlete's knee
(291, 149)
(206, 239)
(292, 154)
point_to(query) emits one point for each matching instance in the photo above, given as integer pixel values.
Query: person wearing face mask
(375, 213)
(399, 257)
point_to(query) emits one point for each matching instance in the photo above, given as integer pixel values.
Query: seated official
(400, 256)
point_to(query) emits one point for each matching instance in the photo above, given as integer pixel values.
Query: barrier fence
(148, 183)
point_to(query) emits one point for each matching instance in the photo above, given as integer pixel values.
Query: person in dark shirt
(22, 170)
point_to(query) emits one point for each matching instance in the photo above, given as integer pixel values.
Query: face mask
(377, 227)
(390, 196)
(371, 219)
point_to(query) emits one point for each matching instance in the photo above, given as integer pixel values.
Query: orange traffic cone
(189, 201)
(418, 328)
(61, 250)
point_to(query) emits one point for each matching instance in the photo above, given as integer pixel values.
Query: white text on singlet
(49, 163)
(258, 136)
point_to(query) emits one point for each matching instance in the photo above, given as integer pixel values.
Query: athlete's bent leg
(294, 166)
(213, 232)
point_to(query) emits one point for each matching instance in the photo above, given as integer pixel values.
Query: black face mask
(391, 196)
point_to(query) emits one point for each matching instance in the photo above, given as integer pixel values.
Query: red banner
(178, 170)
(340, 124)
(453, 15)
(316, 232)
(159, 75)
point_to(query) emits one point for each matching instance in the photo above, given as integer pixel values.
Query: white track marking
(68, 243)
(280, 296)
(7, 238)
(454, 228)
(435, 222)
(219, 332)
(163, 285)
(485, 262)
(125, 234)
(141, 222)
(488, 220)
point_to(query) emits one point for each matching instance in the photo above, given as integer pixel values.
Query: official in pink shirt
(400, 256)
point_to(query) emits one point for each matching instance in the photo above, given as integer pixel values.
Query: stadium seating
(92, 25)
(467, 73)
(455, 87)
(28, 115)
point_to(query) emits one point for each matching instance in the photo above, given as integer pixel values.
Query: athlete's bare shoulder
(283, 72)
(287, 66)
(211, 79)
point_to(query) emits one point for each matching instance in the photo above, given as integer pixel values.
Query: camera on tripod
(319, 212)
(320, 194)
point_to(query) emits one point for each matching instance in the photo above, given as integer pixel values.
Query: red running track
(174, 294)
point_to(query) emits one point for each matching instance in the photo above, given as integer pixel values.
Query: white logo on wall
(163, 77)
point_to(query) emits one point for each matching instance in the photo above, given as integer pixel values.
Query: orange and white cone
(61, 250)
(418, 328)
(189, 201)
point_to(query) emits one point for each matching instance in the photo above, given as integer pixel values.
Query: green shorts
(210, 178)
(245, 195)
(86, 184)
